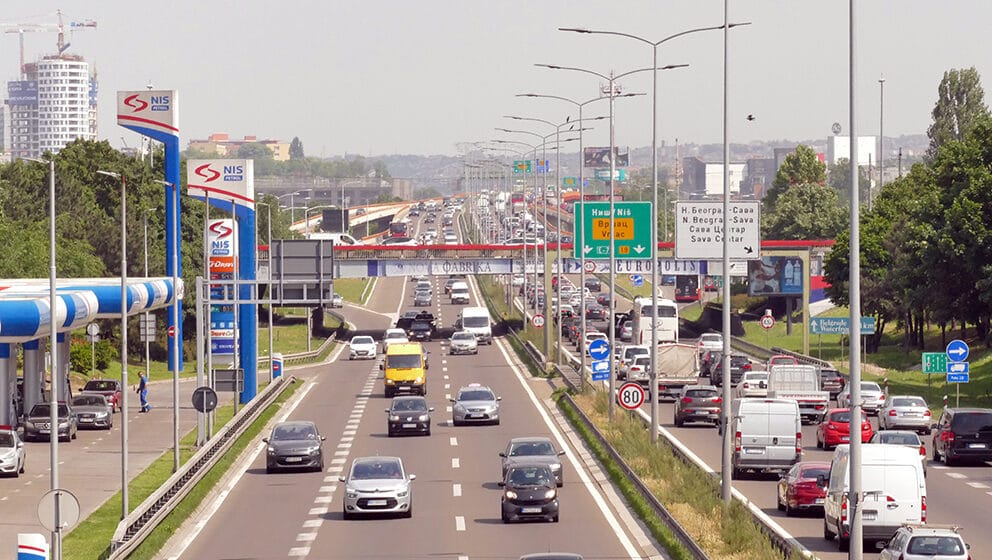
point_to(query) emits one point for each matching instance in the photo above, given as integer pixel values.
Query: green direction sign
(934, 362)
(521, 166)
(631, 231)
(569, 181)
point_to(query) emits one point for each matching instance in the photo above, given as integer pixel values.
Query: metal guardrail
(133, 529)
(683, 536)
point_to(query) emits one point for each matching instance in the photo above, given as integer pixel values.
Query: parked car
(834, 429)
(963, 434)
(803, 487)
(529, 492)
(13, 456)
(408, 414)
(93, 411)
(872, 397)
(905, 411)
(926, 542)
(294, 445)
(109, 388)
(37, 424)
(831, 381)
(532, 450)
(698, 403)
(377, 485)
(906, 438)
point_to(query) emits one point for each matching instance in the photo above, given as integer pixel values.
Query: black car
(593, 284)
(406, 321)
(738, 365)
(832, 381)
(566, 323)
(595, 313)
(294, 445)
(409, 414)
(603, 299)
(429, 219)
(420, 330)
(529, 492)
(963, 434)
(37, 424)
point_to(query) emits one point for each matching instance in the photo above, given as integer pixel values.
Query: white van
(459, 293)
(894, 488)
(337, 238)
(477, 321)
(768, 435)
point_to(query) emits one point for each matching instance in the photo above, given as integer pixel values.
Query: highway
(456, 498)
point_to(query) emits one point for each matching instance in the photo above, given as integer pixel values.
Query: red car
(803, 487)
(109, 388)
(834, 429)
(782, 359)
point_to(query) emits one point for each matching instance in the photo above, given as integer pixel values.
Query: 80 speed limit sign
(631, 396)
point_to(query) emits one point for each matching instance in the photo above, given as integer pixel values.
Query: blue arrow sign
(958, 367)
(601, 366)
(637, 280)
(958, 377)
(599, 349)
(600, 376)
(957, 351)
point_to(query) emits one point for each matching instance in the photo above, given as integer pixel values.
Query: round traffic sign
(590, 266)
(204, 399)
(957, 350)
(631, 396)
(68, 507)
(599, 349)
(92, 329)
(537, 321)
(767, 322)
(172, 331)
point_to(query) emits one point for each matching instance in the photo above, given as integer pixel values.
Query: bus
(667, 321)
(687, 287)
(400, 228)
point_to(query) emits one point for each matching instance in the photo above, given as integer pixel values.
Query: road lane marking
(348, 438)
(455, 463)
(447, 408)
(956, 475)
(332, 478)
(978, 485)
(456, 490)
(323, 499)
(306, 537)
(338, 461)
(454, 441)
(318, 511)
(459, 523)
(447, 385)
(313, 523)
(349, 432)
(330, 488)
(341, 453)
(299, 551)
(447, 395)
(344, 446)
(446, 377)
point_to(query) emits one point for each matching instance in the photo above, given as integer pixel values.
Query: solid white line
(459, 523)
(215, 506)
(454, 441)
(456, 490)
(455, 463)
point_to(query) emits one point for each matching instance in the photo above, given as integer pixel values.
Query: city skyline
(378, 78)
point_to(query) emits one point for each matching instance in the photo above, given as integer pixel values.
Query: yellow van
(406, 369)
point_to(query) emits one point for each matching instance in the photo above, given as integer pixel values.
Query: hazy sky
(418, 76)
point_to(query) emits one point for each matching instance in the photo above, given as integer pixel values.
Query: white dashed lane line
(454, 441)
(978, 485)
(456, 490)
(455, 463)
(459, 523)
(956, 475)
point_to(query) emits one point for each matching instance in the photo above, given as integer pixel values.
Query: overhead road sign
(631, 231)
(599, 349)
(619, 174)
(957, 351)
(934, 362)
(840, 325)
(699, 230)
(521, 166)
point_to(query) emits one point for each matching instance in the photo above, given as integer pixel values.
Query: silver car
(532, 450)
(904, 411)
(294, 445)
(872, 397)
(12, 453)
(377, 485)
(93, 411)
(422, 297)
(475, 403)
(463, 342)
(337, 301)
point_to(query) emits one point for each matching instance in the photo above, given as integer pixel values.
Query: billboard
(222, 248)
(153, 110)
(334, 220)
(775, 276)
(22, 92)
(600, 157)
(224, 178)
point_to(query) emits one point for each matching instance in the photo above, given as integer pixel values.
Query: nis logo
(228, 173)
(221, 245)
(154, 103)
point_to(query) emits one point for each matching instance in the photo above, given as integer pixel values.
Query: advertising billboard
(22, 92)
(775, 276)
(232, 179)
(222, 248)
(600, 157)
(153, 110)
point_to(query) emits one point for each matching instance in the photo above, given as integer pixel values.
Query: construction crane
(32, 27)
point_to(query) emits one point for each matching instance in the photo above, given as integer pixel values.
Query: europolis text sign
(222, 248)
(637, 266)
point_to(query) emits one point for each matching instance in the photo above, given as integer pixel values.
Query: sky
(375, 77)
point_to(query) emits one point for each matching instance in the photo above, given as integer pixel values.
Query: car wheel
(555, 519)
(843, 544)
(948, 461)
(789, 512)
(345, 514)
(409, 512)
(21, 471)
(678, 423)
(778, 501)
(936, 456)
(269, 470)
(503, 517)
(455, 422)
(74, 434)
(819, 443)
(428, 431)
(496, 422)
(828, 535)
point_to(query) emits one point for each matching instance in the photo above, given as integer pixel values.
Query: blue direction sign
(958, 377)
(958, 367)
(839, 325)
(637, 280)
(601, 366)
(602, 376)
(599, 349)
(957, 351)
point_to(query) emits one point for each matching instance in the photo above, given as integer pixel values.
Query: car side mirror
(387, 411)
(20, 444)
(451, 400)
(413, 477)
(341, 479)
(265, 440)
(499, 398)
(501, 484)
(561, 453)
(431, 409)
(323, 438)
(502, 454)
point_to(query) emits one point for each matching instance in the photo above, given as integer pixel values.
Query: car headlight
(314, 450)
(424, 417)
(550, 494)
(102, 414)
(64, 424)
(419, 380)
(394, 418)
(555, 466)
(351, 493)
(459, 406)
(390, 382)
(402, 493)
(272, 449)
(511, 495)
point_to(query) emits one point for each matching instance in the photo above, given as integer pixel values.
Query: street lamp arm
(520, 132)
(516, 118)
(597, 32)
(668, 67)
(556, 67)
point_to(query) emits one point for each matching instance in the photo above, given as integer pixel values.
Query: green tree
(805, 211)
(960, 104)
(839, 177)
(801, 166)
(427, 192)
(296, 149)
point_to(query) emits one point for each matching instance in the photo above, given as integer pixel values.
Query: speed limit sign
(537, 320)
(767, 322)
(631, 396)
(590, 266)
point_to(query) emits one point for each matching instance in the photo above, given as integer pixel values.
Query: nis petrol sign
(145, 111)
(231, 179)
(221, 238)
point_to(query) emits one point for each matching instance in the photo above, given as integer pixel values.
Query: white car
(361, 348)
(518, 280)
(464, 342)
(12, 452)
(925, 542)
(872, 397)
(377, 485)
(393, 336)
(710, 342)
(753, 384)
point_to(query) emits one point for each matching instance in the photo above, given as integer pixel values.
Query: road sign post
(538, 321)
(957, 367)
(631, 231)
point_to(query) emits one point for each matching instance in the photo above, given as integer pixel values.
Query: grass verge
(91, 537)
(351, 289)
(690, 495)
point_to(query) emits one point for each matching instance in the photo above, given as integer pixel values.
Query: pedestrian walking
(142, 391)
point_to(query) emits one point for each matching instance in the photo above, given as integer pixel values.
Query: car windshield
(870, 386)
(45, 410)
(909, 402)
(100, 385)
(409, 405)
(396, 334)
(973, 422)
(815, 472)
(844, 416)
(293, 432)
(376, 470)
(362, 340)
(476, 395)
(711, 338)
(420, 326)
(934, 546)
(88, 400)
(463, 336)
(898, 439)
(475, 321)
(530, 476)
(403, 361)
(528, 448)
(6, 439)
(756, 376)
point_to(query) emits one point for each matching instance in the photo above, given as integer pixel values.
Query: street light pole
(268, 237)
(175, 338)
(148, 315)
(881, 133)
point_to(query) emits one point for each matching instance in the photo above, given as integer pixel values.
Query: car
(529, 492)
(926, 542)
(38, 421)
(399, 241)
(418, 278)
(409, 414)
(907, 438)
(706, 360)
(639, 368)
(109, 388)
(337, 301)
(420, 330)
(753, 384)
(410, 317)
(595, 313)
(93, 411)
(565, 239)
(627, 354)
(603, 300)
(626, 331)
(424, 286)
(532, 450)
(698, 403)
(448, 283)
(518, 280)
(594, 284)
(835, 429)
(429, 219)
(963, 434)
(295, 444)
(422, 298)
(803, 487)
(710, 341)
(475, 403)
(413, 212)
(566, 324)
(393, 336)
(13, 456)
(377, 485)
(739, 365)
(831, 381)
(904, 411)
(463, 342)
(872, 397)
(361, 347)
(781, 360)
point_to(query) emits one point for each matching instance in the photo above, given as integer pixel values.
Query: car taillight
(881, 397)
(892, 413)
(821, 406)
(737, 442)
(746, 366)
(947, 436)
(799, 443)
(746, 385)
(923, 509)
(927, 413)
(923, 450)
(843, 510)
(686, 400)
(717, 400)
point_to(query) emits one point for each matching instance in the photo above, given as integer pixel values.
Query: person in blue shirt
(143, 393)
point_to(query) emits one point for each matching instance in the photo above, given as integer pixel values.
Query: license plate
(43, 431)
(85, 420)
(912, 414)
(404, 388)
(377, 502)
(818, 501)
(845, 438)
(409, 425)
(976, 446)
(530, 510)
(293, 459)
(869, 515)
(753, 450)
